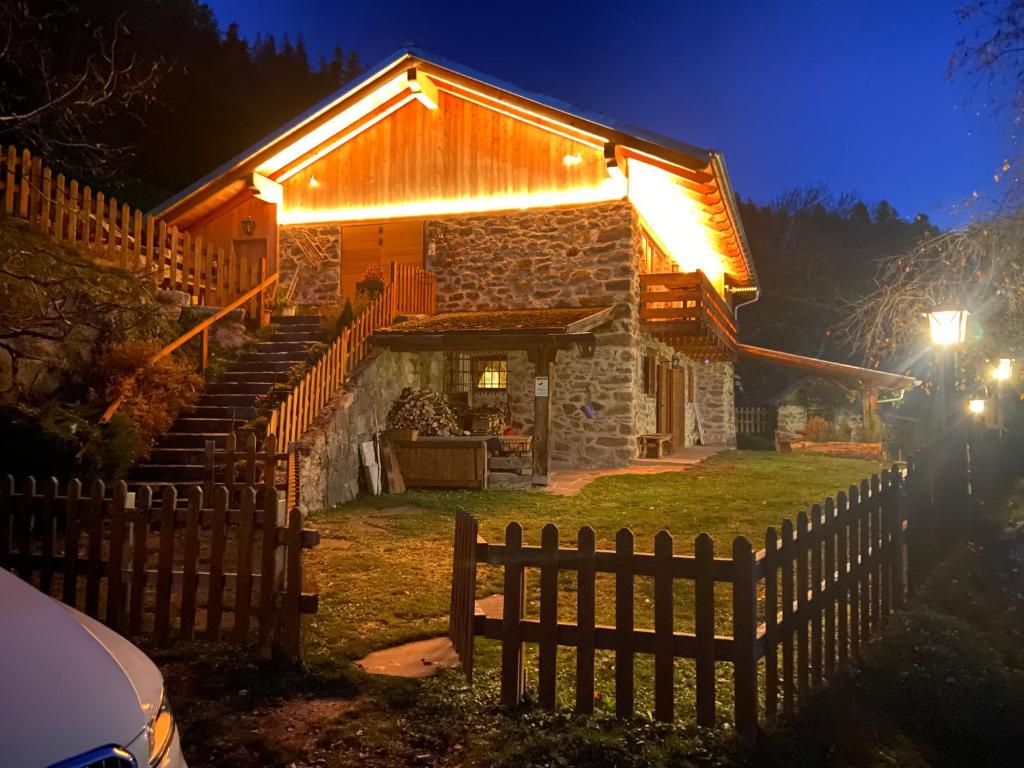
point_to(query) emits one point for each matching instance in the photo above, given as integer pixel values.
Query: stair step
(239, 388)
(142, 473)
(225, 400)
(298, 320)
(310, 337)
(243, 377)
(293, 356)
(236, 412)
(266, 347)
(190, 439)
(205, 425)
(274, 364)
(177, 456)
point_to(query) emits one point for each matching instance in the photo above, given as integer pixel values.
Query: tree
(55, 93)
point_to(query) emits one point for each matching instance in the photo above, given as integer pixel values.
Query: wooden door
(380, 244)
(664, 395)
(249, 253)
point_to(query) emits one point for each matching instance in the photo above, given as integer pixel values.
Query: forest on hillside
(142, 97)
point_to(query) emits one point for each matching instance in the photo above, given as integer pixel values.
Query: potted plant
(372, 281)
(282, 305)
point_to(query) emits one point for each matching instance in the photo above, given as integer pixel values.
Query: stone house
(587, 272)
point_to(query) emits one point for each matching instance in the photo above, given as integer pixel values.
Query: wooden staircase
(178, 457)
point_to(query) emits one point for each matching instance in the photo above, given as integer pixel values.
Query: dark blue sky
(850, 94)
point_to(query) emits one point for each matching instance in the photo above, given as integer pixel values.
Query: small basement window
(490, 372)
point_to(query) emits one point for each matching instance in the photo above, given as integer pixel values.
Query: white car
(73, 693)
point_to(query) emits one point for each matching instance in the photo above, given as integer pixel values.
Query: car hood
(69, 683)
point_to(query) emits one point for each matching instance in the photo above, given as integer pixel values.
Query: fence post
(664, 660)
(744, 632)
(624, 623)
(704, 627)
(897, 560)
(585, 616)
(547, 651)
(291, 618)
(513, 681)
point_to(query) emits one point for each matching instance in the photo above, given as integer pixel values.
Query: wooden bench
(658, 441)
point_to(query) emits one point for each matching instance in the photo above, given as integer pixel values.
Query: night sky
(850, 94)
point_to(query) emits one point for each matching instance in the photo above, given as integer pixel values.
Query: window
(650, 374)
(490, 372)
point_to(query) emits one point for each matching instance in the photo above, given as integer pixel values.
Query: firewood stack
(423, 410)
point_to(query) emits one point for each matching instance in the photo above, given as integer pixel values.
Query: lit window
(490, 372)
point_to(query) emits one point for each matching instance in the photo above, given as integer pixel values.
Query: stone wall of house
(716, 400)
(790, 419)
(315, 251)
(557, 257)
(329, 467)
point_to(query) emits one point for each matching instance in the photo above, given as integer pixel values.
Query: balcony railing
(684, 310)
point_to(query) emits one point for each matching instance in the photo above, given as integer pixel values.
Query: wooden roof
(700, 172)
(826, 369)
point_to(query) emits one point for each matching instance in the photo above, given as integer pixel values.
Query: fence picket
(47, 530)
(23, 519)
(215, 581)
(115, 557)
(866, 501)
(744, 633)
(512, 671)
(853, 537)
(830, 588)
(842, 570)
(72, 522)
(548, 646)
(704, 628)
(664, 659)
(803, 668)
(624, 694)
(291, 620)
(585, 615)
(165, 562)
(140, 552)
(771, 625)
(788, 619)
(243, 584)
(817, 651)
(189, 575)
(94, 565)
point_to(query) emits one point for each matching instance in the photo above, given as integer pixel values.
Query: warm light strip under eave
(346, 138)
(605, 192)
(336, 124)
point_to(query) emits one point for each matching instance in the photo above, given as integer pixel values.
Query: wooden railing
(115, 234)
(254, 295)
(411, 291)
(686, 308)
(221, 568)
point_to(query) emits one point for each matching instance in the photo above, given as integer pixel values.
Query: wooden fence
(411, 291)
(806, 604)
(755, 420)
(240, 464)
(115, 234)
(134, 563)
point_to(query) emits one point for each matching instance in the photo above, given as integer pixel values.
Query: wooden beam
(424, 88)
(443, 342)
(543, 357)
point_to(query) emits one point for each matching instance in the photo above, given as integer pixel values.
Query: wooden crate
(443, 462)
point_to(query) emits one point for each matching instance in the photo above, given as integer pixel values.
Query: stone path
(423, 658)
(569, 482)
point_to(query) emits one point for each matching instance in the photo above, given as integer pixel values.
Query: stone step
(209, 399)
(266, 347)
(243, 377)
(509, 480)
(177, 456)
(236, 412)
(239, 388)
(190, 439)
(167, 473)
(202, 424)
(251, 366)
(309, 337)
(289, 356)
(313, 320)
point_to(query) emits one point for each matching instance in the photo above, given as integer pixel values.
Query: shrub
(153, 394)
(817, 429)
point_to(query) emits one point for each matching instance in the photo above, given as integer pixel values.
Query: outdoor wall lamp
(948, 325)
(675, 362)
(1003, 369)
(248, 226)
(977, 407)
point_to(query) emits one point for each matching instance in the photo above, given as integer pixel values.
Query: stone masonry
(315, 251)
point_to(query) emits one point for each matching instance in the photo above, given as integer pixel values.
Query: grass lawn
(384, 564)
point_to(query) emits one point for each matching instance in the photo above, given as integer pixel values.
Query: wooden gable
(460, 151)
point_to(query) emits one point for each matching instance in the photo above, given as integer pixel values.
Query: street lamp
(948, 327)
(977, 407)
(1003, 369)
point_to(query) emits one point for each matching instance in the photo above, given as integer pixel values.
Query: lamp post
(948, 328)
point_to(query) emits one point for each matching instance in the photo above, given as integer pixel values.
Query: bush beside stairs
(225, 404)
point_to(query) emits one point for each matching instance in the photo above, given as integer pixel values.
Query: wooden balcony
(683, 309)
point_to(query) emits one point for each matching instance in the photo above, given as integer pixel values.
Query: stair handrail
(204, 329)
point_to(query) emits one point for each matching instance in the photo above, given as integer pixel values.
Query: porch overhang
(863, 378)
(541, 333)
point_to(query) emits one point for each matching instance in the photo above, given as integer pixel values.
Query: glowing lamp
(571, 160)
(313, 183)
(1003, 369)
(976, 407)
(948, 326)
